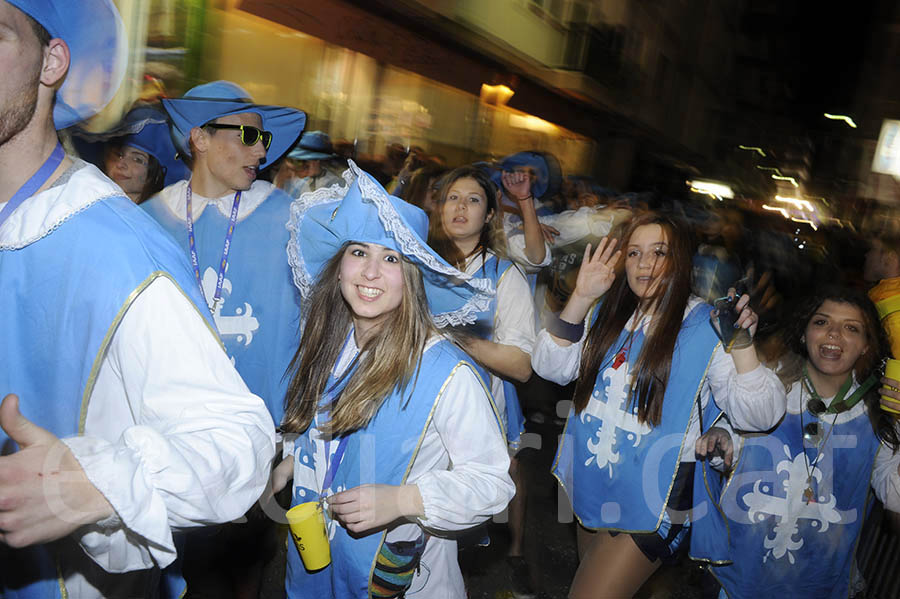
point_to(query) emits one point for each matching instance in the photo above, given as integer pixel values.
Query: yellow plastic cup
(307, 523)
(892, 371)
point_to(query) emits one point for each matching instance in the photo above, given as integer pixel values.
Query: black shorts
(664, 544)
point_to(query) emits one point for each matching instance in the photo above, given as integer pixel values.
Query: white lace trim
(303, 280)
(45, 212)
(393, 223)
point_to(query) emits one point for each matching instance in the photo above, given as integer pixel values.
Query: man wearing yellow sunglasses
(231, 227)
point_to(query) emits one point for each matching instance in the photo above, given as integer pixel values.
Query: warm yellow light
(713, 188)
(769, 168)
(801, 204)
(808, 222)
(783, 212)
(783, 178)
(756, 149)
(532, 123)
(841, 117)
(496, 95)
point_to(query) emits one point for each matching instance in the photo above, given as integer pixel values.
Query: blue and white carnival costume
(239, 257)
(619, 472)
(508, 321)
(107, 345)
(259, 315)
(442, 433)
(766, 535)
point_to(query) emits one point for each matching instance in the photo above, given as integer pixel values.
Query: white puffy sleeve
(753, 401)
(515, 248)
(886, 478)
(476, 484)
(173, 438)
(514, 319)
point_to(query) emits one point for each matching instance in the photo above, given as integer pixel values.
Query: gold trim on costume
(415, 453)
(674, 474)
(110, 332)
(63, 592)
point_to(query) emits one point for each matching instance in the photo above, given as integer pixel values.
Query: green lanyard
(838, 404)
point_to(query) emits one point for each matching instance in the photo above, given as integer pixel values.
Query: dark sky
(822, 50)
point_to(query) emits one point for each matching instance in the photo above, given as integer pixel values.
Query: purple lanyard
(334, 465)
(34, 183)
(342, 444)
(195, 261)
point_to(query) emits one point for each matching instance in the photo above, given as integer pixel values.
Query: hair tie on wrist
(565, 330)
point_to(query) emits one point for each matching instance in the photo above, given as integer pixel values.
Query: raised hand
(517, 185)
(598, 271)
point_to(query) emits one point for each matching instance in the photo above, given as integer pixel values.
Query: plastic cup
(307, 523)
(892, 371)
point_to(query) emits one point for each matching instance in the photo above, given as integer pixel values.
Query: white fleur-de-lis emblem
(614, 417)
(242, 324)
(792, 508)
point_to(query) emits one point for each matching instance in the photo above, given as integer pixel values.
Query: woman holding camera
(647, 362)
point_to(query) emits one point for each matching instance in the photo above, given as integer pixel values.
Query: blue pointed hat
(210, 101)
(98, 53)
(323, 221)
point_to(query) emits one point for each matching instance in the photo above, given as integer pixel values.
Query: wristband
(565, 330)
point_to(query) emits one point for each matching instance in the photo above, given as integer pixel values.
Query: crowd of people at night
(214, 318)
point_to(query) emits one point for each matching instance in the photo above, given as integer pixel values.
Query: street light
(840, 117)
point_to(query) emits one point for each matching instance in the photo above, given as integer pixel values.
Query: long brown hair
(648, 386)
(388, 359)
(492, 237)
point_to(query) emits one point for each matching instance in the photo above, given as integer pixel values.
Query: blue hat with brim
(98, 53)
(548, 174)
(210, 101)
(323, 221)
(313, 145)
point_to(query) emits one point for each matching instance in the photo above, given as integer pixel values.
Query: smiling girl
(798, 497)
(395, 414)
(647, 361)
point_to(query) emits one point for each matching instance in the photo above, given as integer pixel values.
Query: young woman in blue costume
(466, 231)
(393, 426)
(647, 361)
(795, 504)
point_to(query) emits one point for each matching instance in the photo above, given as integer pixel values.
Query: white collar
(174, 197)
(41, 214)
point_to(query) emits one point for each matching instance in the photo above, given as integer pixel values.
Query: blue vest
(259, 316)
(381, 453)
(494, 269)
(63, 297)
(773, 538)
(618, 472)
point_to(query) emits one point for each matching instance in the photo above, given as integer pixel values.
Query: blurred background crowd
(767, 125)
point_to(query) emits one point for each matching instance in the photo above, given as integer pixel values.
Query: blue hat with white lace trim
(98, 53)
(323, 221)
